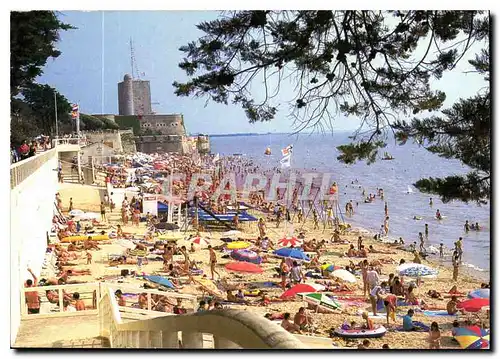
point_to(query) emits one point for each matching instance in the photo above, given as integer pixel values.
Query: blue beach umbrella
(292, 253)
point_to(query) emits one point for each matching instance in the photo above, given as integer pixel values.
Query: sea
(318, 152)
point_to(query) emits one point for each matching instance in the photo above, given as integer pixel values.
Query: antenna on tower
(133, 62)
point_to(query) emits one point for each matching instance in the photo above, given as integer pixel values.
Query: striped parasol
(289, 241)
(473, 337)
(320, 299)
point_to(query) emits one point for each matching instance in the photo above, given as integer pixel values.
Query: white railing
(69, 141)
(21, 170)
(83, 289)
(231, 329)
(93, 292)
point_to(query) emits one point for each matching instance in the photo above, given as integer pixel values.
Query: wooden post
(61, 300)
(169, 340)
(24, 306)
(192, 340)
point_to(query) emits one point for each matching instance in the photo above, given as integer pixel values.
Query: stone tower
(126, 96)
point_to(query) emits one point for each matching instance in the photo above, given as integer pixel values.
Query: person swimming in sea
(430, 202)
(441, 250)
(467, 226)
(438, 215)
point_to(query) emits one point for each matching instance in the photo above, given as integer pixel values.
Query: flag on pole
(75, 111)
(287, 150)
(216, 158)
(286, 161)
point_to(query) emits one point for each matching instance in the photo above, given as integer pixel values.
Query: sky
(103, 42)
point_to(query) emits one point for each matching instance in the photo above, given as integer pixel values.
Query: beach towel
(255, 285)
(419, 325)
(314, 275)
(400, 303)
(437, 313)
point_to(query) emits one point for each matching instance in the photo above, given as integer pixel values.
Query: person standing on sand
(386, 225)
(315, 219)
(284, 273)
(459, 249)
(360, 242)
(426, 231)
(262, 227)
(456, 264)
(213, 262)
(70, 208)
(441, 250)
(103, 212)
(89, 257)
(364, 275)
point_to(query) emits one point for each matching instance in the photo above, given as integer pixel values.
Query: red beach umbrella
(300, 288)
(474, 305)
(244, 267)
(289, 241)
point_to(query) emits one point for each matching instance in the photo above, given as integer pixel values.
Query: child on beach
(89, 257)
(434, 336)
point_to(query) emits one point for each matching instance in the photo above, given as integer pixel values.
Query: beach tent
(245, 255)
(162, 207)
(244, 267)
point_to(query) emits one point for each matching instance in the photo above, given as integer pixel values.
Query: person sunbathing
(352, 252)
(362, 252)
(289, 326)
(89, 244)
(122, 260)
(73, 247)
(74, 272)
(373, 250)
(410, 297)
(234, 299)
(434, 294)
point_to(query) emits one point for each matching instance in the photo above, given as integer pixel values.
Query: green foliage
(463, 133)
(40, 99)
(361, 64)
(109, 124)
(126, 122)
(33, 35)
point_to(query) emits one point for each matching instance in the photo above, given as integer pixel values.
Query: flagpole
(55, 107)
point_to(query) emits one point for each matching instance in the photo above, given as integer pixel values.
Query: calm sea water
(410, 163)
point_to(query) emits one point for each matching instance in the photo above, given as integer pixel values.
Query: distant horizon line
(258, 134)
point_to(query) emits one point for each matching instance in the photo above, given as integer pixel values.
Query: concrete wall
(110, 138)
(128, 142)
(156, 144)
(164, 124)
(31, 212)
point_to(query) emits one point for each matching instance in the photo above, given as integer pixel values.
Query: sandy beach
(86, 199)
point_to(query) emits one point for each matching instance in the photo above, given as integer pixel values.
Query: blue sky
(157, 36)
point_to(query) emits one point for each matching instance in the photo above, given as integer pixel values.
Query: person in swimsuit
(103, 212)
(32, 298)
(434, 336)
(213, 262)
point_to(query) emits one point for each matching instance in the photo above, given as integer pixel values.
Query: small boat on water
(267, 152)
(387, 157)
